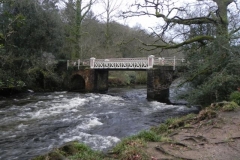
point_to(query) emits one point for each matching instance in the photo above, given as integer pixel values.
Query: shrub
(224, 106)
(230, 106)
(235, 97)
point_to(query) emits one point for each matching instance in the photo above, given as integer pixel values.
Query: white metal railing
(169, 61)
(127, 63)
(122, 63)
(74, 63)
(78, 63)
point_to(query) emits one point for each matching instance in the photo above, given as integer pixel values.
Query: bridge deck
(130, 63)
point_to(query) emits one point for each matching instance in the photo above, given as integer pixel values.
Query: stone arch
(77, 83)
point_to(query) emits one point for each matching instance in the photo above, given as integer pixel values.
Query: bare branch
(178, 20)
(173, 46)
(234, 31)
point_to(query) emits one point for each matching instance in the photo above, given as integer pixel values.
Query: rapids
(34, 123)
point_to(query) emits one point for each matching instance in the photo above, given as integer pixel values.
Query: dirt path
(212, 139)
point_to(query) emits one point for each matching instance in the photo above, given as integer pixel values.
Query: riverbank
(214, 133)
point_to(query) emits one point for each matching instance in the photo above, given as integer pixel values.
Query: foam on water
(181, 108)
(97, 142)
(63, 92)
(158, 106)
(89, 123)
(65, 105)
(21, 126)
(108, 98)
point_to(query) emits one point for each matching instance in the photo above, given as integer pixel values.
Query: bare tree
(81, 9)
(208, 32)
(110, 9)
(221, 14)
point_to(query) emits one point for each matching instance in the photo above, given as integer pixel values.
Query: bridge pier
(95, 80)
(101, 80)
(159, 80)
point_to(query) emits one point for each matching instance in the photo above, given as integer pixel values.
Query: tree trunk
(222, 34)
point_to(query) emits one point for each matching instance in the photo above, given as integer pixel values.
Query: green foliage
(235, 97)
(127, 78)
(11, 83)
(44, 77)
(224, 106)
(230, 106)
(212, 72)
(27, 40)
(141, 78)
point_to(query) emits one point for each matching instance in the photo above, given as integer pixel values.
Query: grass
(73, 151)
(168, 127)
(148, 136)
(132, 148)
(85, 153)
(129, 147)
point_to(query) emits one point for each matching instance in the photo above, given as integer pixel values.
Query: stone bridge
(92, 75)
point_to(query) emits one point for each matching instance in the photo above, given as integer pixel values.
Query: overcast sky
(143, 21)
(123, 5)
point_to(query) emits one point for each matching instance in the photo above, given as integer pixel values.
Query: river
(34, 123)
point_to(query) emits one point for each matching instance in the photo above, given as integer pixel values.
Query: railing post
(150, 61)
(163, 61)
(182, 60)
(67, 64)
(78, 63)
(92, 61)
(174, 63)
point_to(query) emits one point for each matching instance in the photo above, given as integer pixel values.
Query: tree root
(212, 128)
(181, 144)
(197, 139)
(159, 148)
(231, 139)
(173, 134)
